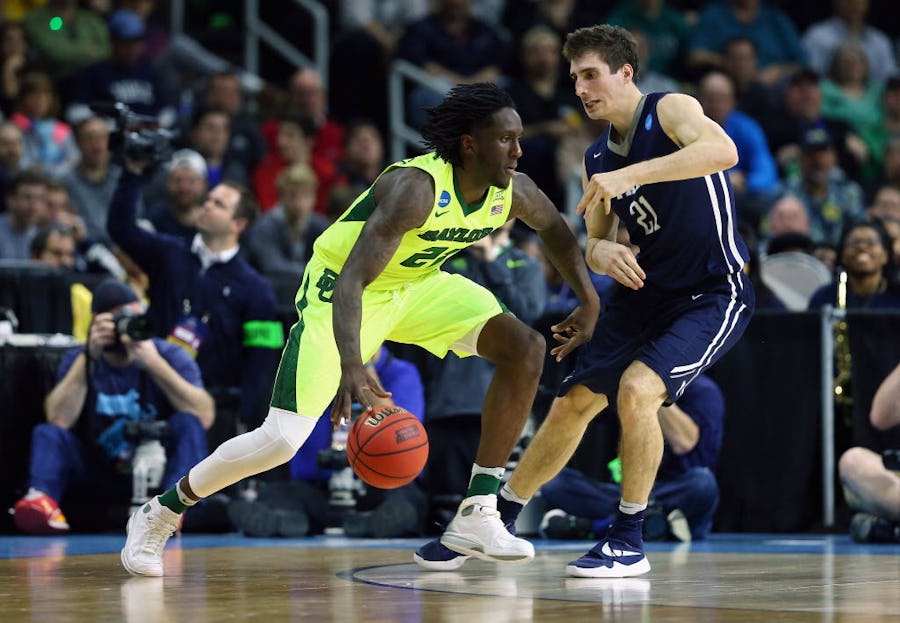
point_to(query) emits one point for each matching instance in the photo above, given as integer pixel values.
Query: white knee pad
(272, 444)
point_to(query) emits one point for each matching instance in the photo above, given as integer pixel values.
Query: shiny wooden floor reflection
(338, 580)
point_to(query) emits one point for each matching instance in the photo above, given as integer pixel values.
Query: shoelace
(157, 534)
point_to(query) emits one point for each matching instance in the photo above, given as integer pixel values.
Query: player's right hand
(619, 262)
(356, 385)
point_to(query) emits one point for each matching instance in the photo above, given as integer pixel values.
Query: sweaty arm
(704, 148)
(537, 211)
(403, 199)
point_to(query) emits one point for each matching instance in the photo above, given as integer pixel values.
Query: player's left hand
(574, 331)
(600, 190)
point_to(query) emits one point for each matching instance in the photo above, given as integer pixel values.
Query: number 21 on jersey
(644, 215)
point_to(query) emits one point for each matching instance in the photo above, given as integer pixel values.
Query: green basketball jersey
(451, 226)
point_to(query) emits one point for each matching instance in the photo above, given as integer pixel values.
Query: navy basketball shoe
(619, 555)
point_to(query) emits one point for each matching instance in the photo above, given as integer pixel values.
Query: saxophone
(843, 396)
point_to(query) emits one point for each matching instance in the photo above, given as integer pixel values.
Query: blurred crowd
(809, 92)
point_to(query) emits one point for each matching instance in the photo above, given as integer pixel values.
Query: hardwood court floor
(747, 578)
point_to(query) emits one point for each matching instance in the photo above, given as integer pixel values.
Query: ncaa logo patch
(648, 122)
(444, 201)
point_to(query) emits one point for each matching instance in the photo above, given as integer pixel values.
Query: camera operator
(203, 294)
(122, 381)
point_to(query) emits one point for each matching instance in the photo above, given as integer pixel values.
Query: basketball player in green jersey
(374, 276)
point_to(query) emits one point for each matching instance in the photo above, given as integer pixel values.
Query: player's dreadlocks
(465, 108)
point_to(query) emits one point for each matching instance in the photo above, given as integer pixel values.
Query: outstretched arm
(537, 211)
(704, 148)
(404, 198)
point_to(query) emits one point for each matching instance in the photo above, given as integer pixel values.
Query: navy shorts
(678, 335)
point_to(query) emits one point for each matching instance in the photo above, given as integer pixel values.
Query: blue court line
(734, 543)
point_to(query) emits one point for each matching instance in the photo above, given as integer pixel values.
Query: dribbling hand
(356, 385)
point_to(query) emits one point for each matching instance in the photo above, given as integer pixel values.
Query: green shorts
(436, 313)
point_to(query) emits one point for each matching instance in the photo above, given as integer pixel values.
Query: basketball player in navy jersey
(678, 306)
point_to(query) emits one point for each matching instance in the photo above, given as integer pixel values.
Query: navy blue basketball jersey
(686, 229)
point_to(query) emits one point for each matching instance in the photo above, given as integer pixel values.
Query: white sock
(508, 494)
(496, 472)
(182, 496)
(630, 508)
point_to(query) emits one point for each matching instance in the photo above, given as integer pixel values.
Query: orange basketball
(387, 449)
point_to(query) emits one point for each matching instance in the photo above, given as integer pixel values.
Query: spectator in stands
(204, 296)
(665, 28)
(26, 203)
(801, 111)
(294, 144)
(562, 16)
(848, 22)
(755, 177)
(91, 184)
(692, 429)
(15, 53)
(886, 207)
(306, 97)
(81, 39)
(280, 242)
(85, 448)
(364, 46)
(787, 215)
(456, 387)
(60, 211)
(751, 96)
(831, 199)
(246, 145)
(363, 158)
(126, 77)
(156, 36)
(849, 93)
(48, 141)
(454, 47)
(12, 157)
(210, 136)
(651, 81)
(826, 253)
(548, 107)
(872, 482)
(186, 186)
(880, 137)
(54, 244)
(866, 253)
(769, 27)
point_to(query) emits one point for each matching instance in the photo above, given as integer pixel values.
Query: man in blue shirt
(102, 387)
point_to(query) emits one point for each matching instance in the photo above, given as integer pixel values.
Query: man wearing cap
(85, 449)
(800, 110)
(124, 77)
(831, 199)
